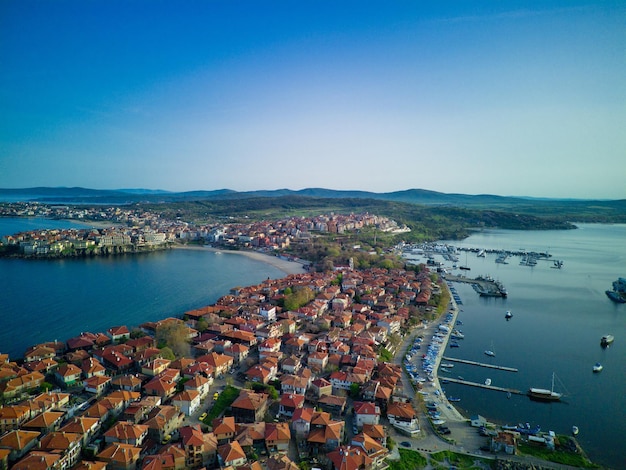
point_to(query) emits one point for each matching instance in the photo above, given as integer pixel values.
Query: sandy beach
(288, 267)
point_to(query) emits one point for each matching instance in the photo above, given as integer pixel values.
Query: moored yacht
(543, 394)
(597, 367)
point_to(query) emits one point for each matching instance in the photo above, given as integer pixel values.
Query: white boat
(490, 353)
(487, 382)
(508, 314)
(606, 340)
(575, 430)
(597, 367)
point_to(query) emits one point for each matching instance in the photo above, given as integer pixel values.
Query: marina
(593, 259)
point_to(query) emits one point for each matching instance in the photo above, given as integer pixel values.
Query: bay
(44, 300)
(559, 316)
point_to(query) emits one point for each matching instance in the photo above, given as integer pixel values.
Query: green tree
(202, 325)
(167, 353)
(45, 386)
(174, 335)
(385, 355)
(299, 297)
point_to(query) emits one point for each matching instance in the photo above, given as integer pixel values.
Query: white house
(268, 312)
(366, 412)
(187, 401)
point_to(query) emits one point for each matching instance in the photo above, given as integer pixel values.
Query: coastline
(287, 267)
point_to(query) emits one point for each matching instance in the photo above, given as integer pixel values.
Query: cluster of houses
(145, 229)
(119, 404)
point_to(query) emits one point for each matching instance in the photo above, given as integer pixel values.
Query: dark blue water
(559, 317)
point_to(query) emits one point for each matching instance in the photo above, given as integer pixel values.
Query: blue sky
(509, 98)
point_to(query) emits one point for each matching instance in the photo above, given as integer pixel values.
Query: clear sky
(499, 97)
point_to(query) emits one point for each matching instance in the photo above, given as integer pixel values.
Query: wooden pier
(480, 364)
(476, 384)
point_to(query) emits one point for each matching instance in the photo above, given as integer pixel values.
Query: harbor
(545, 301)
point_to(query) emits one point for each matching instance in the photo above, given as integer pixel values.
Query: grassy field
(573, 459)
(409, 460)
(225, 399)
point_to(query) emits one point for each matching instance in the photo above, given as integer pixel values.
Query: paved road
(463, 437)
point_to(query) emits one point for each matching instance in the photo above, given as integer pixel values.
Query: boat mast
(552, 390)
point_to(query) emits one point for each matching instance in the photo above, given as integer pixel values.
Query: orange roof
(44, 420)
(249, 400)
(231, 451)
(80, 425)
(224, 425)
(404, 410)
(59, 440)
(91, 465)
(277, 432)
(305, 414)
(248, 433)
(18, 439)
(37, 460)
(192, 436)
(122, 454)
(126, 431)
(349, 458)
(13, 413)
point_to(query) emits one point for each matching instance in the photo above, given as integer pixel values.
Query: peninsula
(307, 363)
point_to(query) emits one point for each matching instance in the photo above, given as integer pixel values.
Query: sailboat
(543, 394)
(465, 267)
(490, 352)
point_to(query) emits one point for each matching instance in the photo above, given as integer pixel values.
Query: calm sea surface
(559, 317)
(43, 300)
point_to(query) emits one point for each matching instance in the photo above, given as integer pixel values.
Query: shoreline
(287, 267)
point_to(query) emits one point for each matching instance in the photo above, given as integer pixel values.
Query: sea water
(55, 299)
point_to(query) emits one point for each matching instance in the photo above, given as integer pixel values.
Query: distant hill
(572, 209)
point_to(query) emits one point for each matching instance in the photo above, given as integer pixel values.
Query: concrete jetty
(482, 285)
(481, 364)
(477, 384)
